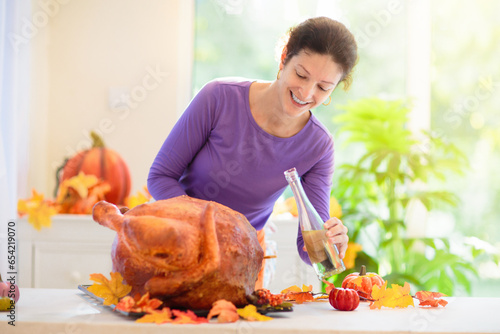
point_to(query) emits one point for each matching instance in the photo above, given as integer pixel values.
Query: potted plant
(391, 170)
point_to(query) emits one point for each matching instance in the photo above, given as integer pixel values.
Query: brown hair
(327, 37)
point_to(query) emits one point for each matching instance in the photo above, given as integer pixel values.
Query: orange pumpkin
(362, 282)
(105, 164)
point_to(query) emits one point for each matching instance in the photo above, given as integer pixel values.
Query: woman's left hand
(337, 233)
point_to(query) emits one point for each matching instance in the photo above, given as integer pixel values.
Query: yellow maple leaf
(351, 253)
(250, 313)
(292, 288)
(158, 317)
(38, 209)
(110, 290)
(295, 288)
(138, 199)
(307, 288)
(80, 183)
(395, 296)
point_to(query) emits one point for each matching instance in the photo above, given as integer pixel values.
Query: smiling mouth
(296, 100)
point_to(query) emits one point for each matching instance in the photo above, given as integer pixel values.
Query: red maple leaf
(187, 317)
(432, 299)
(329, 286)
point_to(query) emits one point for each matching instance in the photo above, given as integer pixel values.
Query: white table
(48, 311)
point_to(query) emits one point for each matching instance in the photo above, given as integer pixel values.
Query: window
(238, 38)
(465, 103)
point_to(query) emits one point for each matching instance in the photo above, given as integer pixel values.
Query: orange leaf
(329, 286)
(224, 310)
(187, 317)
(294, 293)
(432, 299)
(138, 305)
(157, 317)
(110, 290)
(301, 297)
(145, 304)
(126, 304)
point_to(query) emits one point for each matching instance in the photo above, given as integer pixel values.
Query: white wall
(90, 50)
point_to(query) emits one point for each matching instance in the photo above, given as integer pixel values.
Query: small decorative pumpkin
(344, 299)
(104, 163)
(362, 282)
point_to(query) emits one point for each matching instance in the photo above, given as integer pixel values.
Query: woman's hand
(337, 233)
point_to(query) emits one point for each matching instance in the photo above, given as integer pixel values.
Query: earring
(330, 100)
(278, 75)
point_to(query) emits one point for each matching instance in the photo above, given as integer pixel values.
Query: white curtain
(15, 38)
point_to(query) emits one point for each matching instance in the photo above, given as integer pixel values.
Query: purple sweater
(216, 151)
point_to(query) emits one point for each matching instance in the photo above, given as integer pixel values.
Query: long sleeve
(187, 137)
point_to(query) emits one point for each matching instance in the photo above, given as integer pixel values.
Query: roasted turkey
(185, 251)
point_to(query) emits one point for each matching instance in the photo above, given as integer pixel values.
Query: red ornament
(344, 299)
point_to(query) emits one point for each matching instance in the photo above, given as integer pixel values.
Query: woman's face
(306, 81)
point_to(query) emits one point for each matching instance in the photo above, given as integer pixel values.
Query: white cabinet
(65, 254)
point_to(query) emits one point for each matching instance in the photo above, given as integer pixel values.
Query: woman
(237, 137)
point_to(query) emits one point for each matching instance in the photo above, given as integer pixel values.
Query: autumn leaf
(96, 193)
(187, 317)
(294, 293)
(301, 297)
(307, 288)
(138, 199)
(295, 288)
(78, 194)
(126, 304)
(395, 296)
(224, 310)
(142, 304)
(110, 290)
(329, 286)
(80, 183)
(432, 299)
(157, 317)
(250, 313)
(38, 209)
(350, 255)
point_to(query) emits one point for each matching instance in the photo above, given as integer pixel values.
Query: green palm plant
(391, 173)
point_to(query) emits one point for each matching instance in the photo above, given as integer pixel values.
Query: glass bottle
(323, 254)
